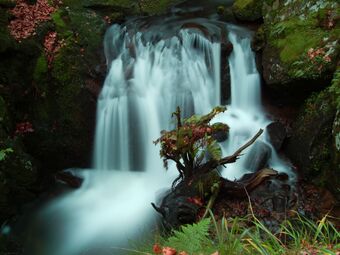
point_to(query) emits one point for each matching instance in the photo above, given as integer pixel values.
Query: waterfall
(146, 81)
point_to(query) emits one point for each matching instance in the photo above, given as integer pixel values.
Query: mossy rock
(153, 7)
(313, 144)
(248, 10)
(300, 53)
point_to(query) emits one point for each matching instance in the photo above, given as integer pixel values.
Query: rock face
(301, 49)
(314, 144)
(48, 99)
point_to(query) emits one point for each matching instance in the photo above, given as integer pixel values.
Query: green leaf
(4, 152)
(214, 150)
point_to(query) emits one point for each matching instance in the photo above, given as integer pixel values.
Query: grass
(300, 236)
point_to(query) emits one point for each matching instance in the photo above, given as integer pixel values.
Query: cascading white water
(245, 116)
(145, 83)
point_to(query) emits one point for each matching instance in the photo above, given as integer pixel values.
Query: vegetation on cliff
(302, 46)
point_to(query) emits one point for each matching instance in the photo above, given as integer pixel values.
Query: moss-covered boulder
(49, 83)
(248, 10)
(301, 49)
(314, 145)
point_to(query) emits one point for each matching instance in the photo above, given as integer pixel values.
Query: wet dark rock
(226, 49)
(276, 133)
(68, 178)
(258, 156)
(225, 14)
(176, 208)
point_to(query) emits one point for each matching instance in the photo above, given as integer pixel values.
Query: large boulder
(18, 170)
(301, 48)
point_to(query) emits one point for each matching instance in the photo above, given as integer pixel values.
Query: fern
(191, 238)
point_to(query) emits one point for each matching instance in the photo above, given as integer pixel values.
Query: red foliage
(169, 251)
(27, 17)
(157, 249)
(24, 128)
(51, 46)
(319, 52)
(195, 200)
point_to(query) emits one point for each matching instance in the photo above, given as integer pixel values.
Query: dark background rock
(226, 49)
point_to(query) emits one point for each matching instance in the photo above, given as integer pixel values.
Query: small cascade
(245, 116)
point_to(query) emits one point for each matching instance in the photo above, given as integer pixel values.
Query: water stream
(146, 81)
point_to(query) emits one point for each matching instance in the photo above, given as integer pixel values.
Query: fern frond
(191, 238)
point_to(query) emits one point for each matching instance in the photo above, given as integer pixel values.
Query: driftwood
(239, 189)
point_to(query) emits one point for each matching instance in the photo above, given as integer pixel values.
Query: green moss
(249, 10)
(41, 68)
(292, 29)
(295, 44)
(153, 7)
(243, 3)
(121, 3)
(58, 21)
(335, 88)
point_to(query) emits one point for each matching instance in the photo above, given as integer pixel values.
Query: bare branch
(236, 154)
(212, 164)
